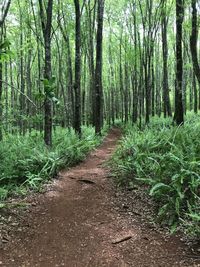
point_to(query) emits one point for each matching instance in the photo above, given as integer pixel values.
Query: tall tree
(98, 71)
(166, 98)
(46, 21)
(194, 39)
(77, 83)
(65, 34)
(91, 18)
(3, 46)
(179, 114)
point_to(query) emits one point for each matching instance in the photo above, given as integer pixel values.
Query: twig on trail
(85, 181)
(72, 178)
(136, 213)
(118, 241)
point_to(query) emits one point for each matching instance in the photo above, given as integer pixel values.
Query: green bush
(166, 158)
(27, 162)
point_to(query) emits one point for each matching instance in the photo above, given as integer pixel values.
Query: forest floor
(82, 220)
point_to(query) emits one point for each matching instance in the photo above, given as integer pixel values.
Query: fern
(167, 159)
(26, 162)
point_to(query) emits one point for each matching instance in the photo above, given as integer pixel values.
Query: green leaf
(5, 45)
(159, 187)
(163, 210)
(45, 82)
(173, 228)
(194, 216)
(55, 100)
(2, 205)
(52, 81)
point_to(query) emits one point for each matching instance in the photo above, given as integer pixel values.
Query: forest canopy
(51, 55)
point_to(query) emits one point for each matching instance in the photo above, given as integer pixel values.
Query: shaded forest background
(51, 63)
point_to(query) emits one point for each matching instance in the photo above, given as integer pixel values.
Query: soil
(80, 221)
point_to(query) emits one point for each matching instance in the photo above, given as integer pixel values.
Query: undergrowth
(26, 163)
(166, 158)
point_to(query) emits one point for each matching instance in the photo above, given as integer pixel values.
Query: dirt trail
(76, 224)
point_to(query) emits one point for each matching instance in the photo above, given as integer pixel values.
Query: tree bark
(2, 20)
(46, 27)
(166, 99)
(77, 83)
(195, 94)
(179, 114)
(98, 72)
(193, 41)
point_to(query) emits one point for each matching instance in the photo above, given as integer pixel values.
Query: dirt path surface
(76, 224)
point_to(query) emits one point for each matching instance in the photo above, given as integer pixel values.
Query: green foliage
(49, 90)
(27, 163)
(166, 158)
(5, 52)
(4, 45)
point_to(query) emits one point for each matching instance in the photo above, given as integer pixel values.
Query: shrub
(27, 162)
(166, 158)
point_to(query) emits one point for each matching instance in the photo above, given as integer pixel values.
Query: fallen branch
(118, 241)
(85, 181)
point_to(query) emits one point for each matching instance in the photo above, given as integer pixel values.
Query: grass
(26, 163)
(167, 159)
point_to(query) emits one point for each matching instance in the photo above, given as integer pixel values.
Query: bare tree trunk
(46, 27)
(91, 25)
(121, 82)
(193, 41)
(22, 80)
(5, 10)
(98, 72)
(166, 99)
(135, 75)
(77, 82)
(179, 114)
(195, 94)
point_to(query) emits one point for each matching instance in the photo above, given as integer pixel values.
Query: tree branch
(15, 88)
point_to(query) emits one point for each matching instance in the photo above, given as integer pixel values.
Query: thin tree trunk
(195, 94)
(193, 41)
(98, 72)
(46, 27)
(77, 82)
(166, 99)
(179, 114)
(2, 21)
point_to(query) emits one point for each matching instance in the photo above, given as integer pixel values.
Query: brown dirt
(77, 223)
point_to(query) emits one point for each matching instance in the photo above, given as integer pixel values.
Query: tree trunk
(77, 82)
(166, 99)
(193, 41)
(179, 115)
(2, 20)
(98, 72)
(195, 94)
(91, 25)
(46, 27)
